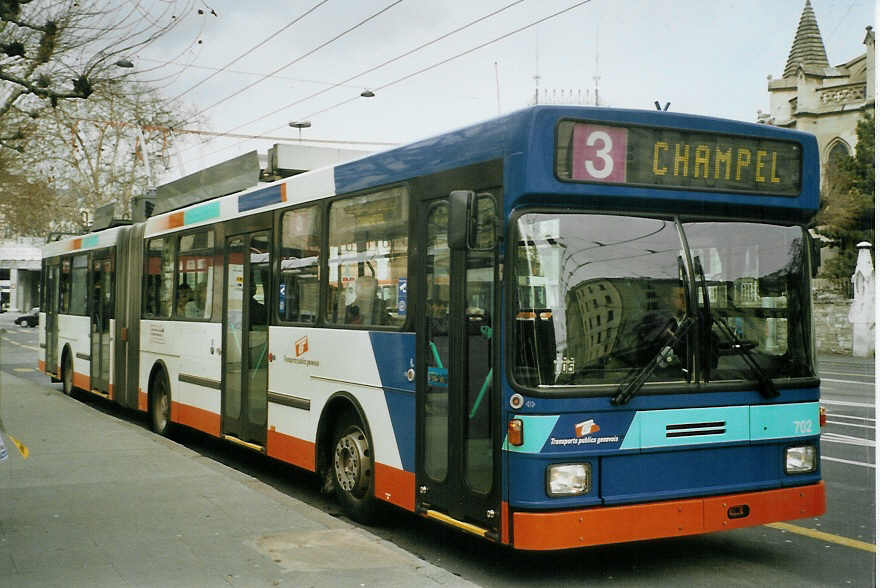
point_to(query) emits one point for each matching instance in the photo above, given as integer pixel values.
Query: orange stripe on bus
(396, 486)
(77, 244)
(505, 523)
(197, 418)
(289, 449)
(142, 400)
(175, 220)
(765, 507)
(41, 365)
(81, 381)
(283, 192)
(675, 518)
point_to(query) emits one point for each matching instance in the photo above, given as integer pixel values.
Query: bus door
(246, 338)
(103, 286)
(457, 466)
(52, 276)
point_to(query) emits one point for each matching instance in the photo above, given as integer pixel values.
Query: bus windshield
(599, 296)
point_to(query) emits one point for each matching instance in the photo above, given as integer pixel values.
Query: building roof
(808, 49)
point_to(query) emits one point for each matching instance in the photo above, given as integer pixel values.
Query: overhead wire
(456, 56)
(300, 58)
(128, 34)
(243, 72)
(381, 65)
(404, 78)
(251, 50)
(344, 82)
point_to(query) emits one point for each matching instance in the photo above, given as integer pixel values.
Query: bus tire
(352, 469)
(66, 374)
(160, 404)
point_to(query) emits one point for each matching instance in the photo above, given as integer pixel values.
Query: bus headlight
(800, 460)
(569, 479)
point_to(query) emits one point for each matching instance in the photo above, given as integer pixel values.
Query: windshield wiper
(742, 348)
(663, 358)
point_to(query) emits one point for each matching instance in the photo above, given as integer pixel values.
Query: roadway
(837, 549)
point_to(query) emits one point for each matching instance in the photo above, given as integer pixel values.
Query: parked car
(30, 319)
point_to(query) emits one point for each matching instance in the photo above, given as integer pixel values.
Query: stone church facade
(815, 97)
(828, 102)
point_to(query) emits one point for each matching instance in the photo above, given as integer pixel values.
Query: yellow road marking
(22, 369)
(824, 536)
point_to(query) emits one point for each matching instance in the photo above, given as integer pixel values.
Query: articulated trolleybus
(561, 327)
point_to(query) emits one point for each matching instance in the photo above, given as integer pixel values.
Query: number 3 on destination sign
(599, 153)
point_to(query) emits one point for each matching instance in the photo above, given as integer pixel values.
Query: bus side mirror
(462, 219)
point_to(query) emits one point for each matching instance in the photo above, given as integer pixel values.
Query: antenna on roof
(596, 73)
(537, 77)
(664, 109)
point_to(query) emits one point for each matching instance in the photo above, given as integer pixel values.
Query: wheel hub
(351, 462)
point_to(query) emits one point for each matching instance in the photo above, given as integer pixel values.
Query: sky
(709, 58)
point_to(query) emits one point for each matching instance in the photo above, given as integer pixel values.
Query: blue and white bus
(561, 327)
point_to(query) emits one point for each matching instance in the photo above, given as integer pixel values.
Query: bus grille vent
(696, 429)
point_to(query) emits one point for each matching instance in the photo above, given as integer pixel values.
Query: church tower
(815, 97)
(808, 50)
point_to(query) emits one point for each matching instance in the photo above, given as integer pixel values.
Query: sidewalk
(103, 502)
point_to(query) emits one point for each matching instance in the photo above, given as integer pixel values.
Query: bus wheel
(352, 465)
(67, 374)
(160, 405)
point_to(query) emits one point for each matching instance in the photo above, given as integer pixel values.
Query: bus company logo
(584, 436)
(301, 346)
(586, 428)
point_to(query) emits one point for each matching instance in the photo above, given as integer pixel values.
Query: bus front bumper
(673, 518)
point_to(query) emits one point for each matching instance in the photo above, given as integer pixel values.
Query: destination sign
(675, 158)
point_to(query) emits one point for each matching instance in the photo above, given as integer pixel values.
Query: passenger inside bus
(657, 326)
(184, 298)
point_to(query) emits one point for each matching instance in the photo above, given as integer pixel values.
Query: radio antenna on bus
(537, 77)
(664, 109)
(596, 72)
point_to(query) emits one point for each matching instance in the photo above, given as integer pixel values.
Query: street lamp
(300, 125)
(126, 63)
(367, 93)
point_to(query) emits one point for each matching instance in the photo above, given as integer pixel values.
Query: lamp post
(300, 125)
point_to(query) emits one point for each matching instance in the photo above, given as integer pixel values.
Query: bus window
(300, 251)
(755, 278)
(368, 259)
(595, 297)
(64, 287)
(195, 275)
(158, 277)
(79, 285)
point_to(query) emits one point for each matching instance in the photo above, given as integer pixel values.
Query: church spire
(807, 49)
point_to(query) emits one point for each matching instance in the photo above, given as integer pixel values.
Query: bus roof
(526, 141)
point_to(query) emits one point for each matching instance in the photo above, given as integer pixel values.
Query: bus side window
(65, 287)
(158, 277)
(79, 295)
(367, 258)
(195, 275)
(298, 287)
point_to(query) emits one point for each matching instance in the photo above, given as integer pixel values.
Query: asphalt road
(836, 549)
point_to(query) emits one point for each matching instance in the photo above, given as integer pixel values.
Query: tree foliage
(109, 148)
(57, 50)
(846, 214)
(77, 130)
(27, 206)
